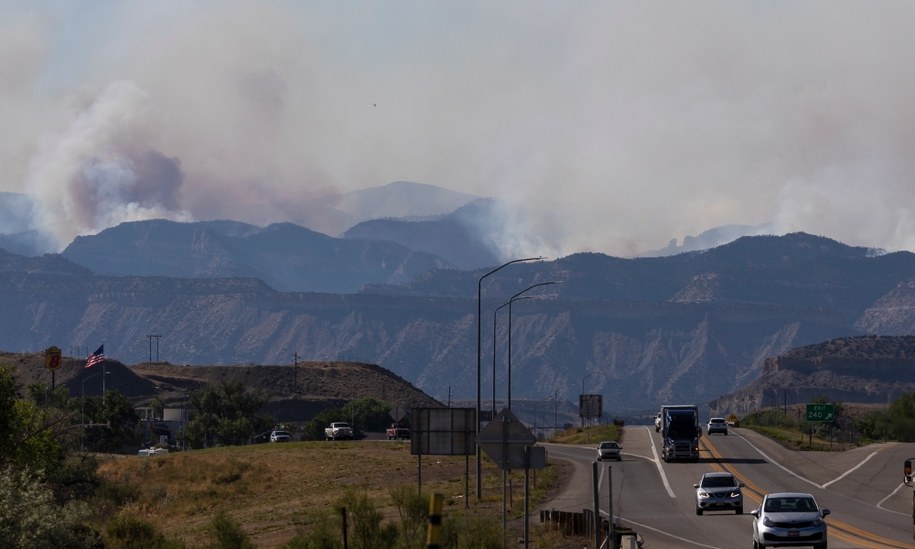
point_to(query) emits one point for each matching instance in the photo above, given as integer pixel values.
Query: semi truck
(680, 432)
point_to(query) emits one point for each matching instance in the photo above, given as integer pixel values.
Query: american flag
(96, 357)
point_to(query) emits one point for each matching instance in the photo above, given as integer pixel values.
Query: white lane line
(668, 534)
(893, 493)
(779, 465)
(879, 504)
(846, 473)
(657, 463)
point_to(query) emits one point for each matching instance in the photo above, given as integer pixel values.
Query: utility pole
(295, 372)
(151, 336)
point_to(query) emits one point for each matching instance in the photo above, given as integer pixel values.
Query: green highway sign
(824, 413)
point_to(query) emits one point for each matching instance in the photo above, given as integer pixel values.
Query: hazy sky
(617, 126)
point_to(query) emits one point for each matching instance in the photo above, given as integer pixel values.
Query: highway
(863, 489)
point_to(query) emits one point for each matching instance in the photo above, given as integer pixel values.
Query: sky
(609, 126)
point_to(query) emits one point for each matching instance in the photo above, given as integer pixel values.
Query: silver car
(789, 519)
(718, 491)
(609, 449)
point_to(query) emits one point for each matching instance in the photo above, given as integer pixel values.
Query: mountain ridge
(641, 331)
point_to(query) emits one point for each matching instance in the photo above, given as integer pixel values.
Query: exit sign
(824, 413)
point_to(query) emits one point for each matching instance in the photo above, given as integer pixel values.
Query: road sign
(822, 413)
(52, 358)
(509, 443)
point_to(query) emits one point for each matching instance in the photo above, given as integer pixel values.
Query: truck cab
(680, 432)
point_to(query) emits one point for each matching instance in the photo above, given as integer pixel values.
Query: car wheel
(739, 510)
(821, 546)
(698, 511)
(620, 458)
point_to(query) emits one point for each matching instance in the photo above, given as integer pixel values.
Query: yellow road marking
(844, 531)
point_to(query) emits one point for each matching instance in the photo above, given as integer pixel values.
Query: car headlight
(767, 522)
(818, 522)
(735, 493)
(702, 494)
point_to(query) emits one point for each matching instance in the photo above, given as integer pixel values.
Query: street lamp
(479, 361)
(510, 301)
(494, 313)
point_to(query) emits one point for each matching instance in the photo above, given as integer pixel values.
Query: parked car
(718, 491)
(609, 449)
(717, 425)
(152, 451)
(280, 436)
(789, 519)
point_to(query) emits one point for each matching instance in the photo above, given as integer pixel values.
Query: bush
(129, 532)
(229, 534)
(30, 517)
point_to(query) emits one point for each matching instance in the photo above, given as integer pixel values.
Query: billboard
(443, 431)
(590, 406)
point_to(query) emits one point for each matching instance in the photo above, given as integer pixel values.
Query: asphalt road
(863, 489)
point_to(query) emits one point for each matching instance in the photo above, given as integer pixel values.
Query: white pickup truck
(338, 430)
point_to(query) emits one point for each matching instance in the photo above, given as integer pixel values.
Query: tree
(225, 415)
(902, 418)
(27, 431)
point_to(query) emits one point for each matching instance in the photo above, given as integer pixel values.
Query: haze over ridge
(605, 127)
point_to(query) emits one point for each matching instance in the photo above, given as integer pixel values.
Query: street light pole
(494, 314)
(514, 298)
(480, 360)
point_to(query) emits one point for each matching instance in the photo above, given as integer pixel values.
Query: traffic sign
(822, 413)
(509, 443)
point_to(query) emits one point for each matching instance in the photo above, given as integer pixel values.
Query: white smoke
(610, 127)
(101, 170)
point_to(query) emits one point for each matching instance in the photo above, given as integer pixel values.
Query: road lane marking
(846, 473)
(668, 534)
(657, 463)
(845, 531)
(893, 493)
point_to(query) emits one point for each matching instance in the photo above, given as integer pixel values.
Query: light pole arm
(480, 358)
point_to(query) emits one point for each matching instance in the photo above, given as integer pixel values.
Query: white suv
(717, 425)
(280, 436)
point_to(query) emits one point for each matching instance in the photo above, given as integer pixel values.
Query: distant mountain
(455, 237)
(865, 369)
(711, 238)
(401, 199)
(331, 215)
(285, 256)
(688, 327)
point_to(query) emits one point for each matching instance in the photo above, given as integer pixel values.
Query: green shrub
(130, 532)
(229, 534)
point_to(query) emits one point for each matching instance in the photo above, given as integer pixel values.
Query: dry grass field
(276, 491)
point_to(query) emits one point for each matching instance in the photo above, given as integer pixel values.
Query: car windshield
(790, 505)
(718, 481)
(716, 420)
(605, 445)
(281, 433)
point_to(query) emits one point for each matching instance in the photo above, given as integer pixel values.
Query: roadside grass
(588, 435)
(797, 439)
(278, 491)
(790, 431)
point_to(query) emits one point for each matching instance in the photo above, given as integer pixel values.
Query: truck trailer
(680, 432)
